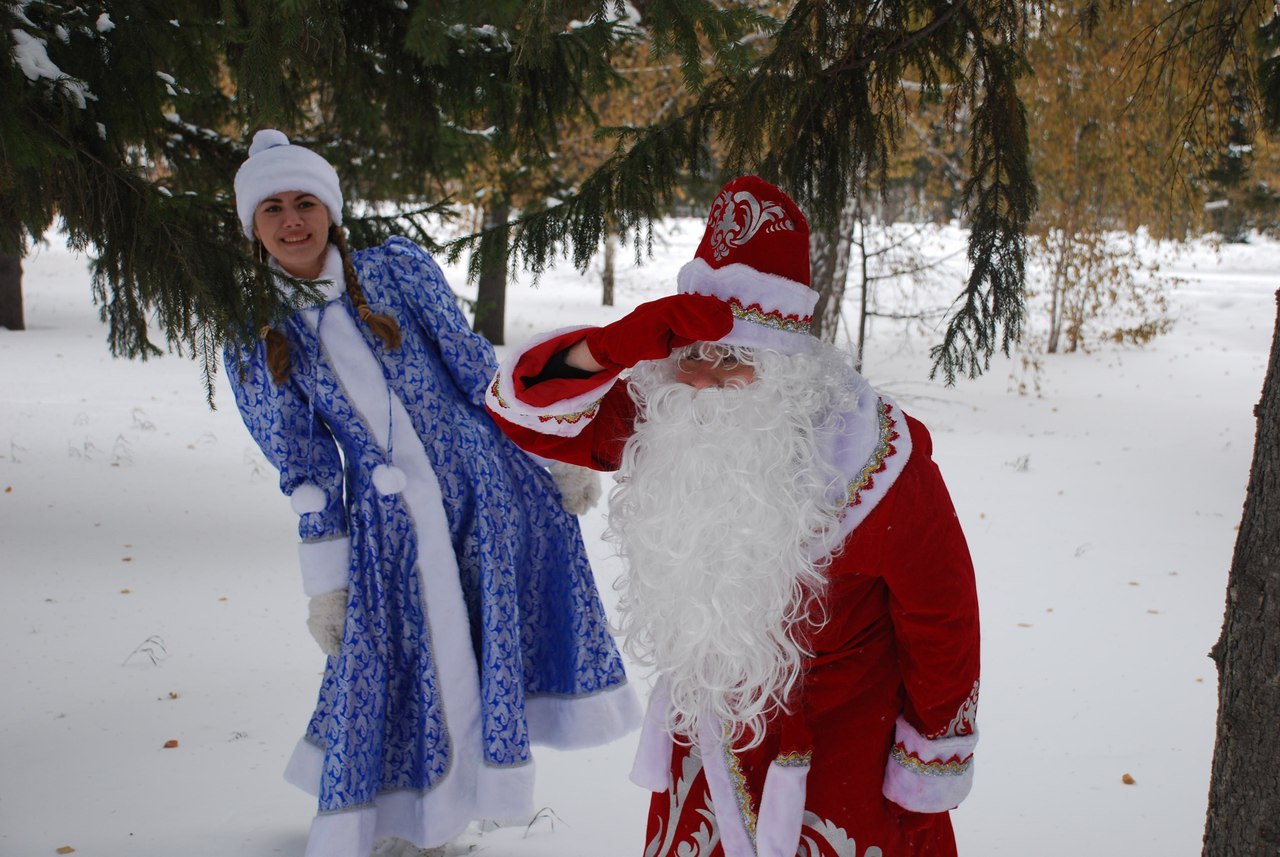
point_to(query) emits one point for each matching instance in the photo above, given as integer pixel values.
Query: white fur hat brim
(275, 166)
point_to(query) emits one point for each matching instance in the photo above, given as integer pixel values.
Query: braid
(279, 362)
(383, 326)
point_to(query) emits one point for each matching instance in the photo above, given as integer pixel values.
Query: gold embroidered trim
(876, 463)
(773, 318)
(498, 396)
(586, 413)
(794, 759)
(953, 767)
(739, 782)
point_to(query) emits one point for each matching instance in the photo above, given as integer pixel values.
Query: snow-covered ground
(151, 593)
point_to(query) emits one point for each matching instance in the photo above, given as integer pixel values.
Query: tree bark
(829, 268)
(491, 292)
(1244, 791)
(608, 275)
(11, 292)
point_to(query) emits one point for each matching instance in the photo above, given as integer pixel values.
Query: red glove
(653, 330)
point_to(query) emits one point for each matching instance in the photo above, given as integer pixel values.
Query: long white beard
(727, 514)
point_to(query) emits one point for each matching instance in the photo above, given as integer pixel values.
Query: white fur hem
(326, 565)
(576, 722)
(428, 818)
(781, 810)
(652, 765)
(734, 836)
(564, 418)
(925, 775)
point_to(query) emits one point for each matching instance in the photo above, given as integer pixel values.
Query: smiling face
(294, 228)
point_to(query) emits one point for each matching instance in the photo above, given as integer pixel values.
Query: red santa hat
(754, 255)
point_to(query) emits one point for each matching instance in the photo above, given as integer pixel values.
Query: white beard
(727, 512)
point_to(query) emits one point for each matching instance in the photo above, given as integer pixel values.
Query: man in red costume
(797, 580)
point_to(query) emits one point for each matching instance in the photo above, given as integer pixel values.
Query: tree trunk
(11, 292)
(607, 275)
(864, 291)
(1244, 791)
(829, 268)
(491, 292)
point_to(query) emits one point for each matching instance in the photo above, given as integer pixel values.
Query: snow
(152, 591)
(32, 57)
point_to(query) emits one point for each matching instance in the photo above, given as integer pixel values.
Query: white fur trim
(326, 565)
(499, 793)
(734, 836)
(579, 486)
(307, 498)
(579, 722)
(748, 285)
(651, 768)
(743, 286)
(388, 480)
(748, 334)
(274, 166)
(332, 282)
(781, 810)
(924, 775)
(875, 434)
(565, 418)
(456, 798)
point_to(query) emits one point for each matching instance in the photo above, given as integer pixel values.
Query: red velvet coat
(879, 745)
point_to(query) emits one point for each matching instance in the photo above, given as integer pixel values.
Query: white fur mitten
(326, 617)
(579, 486)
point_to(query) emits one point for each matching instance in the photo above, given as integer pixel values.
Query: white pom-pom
(267, 138)
(306, 498)
(388, 479)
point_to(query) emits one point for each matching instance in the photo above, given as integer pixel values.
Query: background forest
(509, 136)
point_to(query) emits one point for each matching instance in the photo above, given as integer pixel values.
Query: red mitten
(653, 330)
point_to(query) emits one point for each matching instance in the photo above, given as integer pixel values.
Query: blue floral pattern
(537, 625)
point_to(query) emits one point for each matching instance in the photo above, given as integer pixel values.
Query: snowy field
(152, 597)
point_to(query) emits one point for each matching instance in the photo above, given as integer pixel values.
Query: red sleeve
(583, 421)
(598, 445)
(933, 599)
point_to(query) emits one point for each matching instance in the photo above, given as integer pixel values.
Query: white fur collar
(331, 282)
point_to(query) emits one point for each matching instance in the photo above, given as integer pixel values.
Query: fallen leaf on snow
(171, 743)
(1128, 780)
(66, 849)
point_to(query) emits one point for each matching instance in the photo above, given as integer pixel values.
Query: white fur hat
(274, 166)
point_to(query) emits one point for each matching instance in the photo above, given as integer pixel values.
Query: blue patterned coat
(473, 625)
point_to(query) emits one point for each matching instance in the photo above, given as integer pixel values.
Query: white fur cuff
(781, 810)
(924, 775)
(565, 418)
(326, 565)
(652, 767)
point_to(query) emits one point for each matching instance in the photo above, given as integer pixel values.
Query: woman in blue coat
(449, 587)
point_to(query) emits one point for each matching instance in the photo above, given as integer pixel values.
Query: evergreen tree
(818, 109)
(137, 164)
